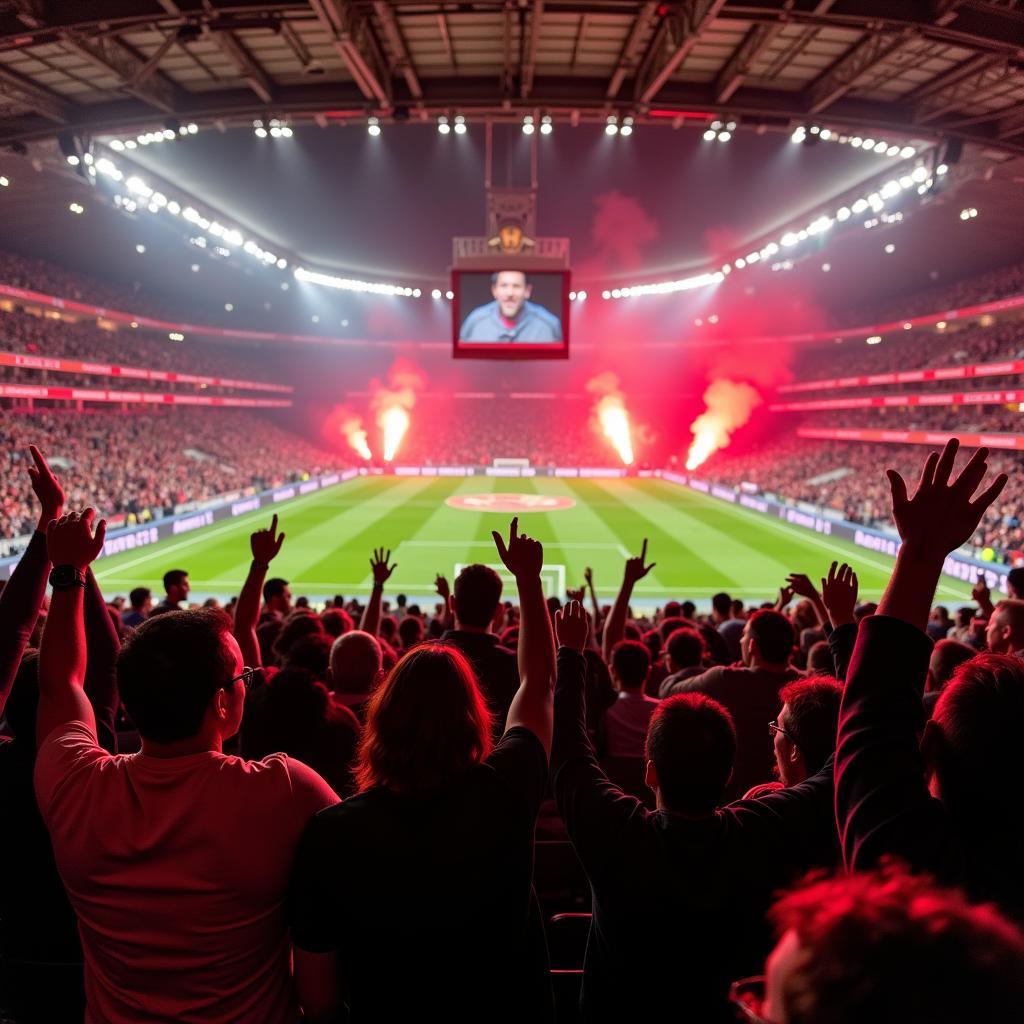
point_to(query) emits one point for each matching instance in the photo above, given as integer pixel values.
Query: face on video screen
(511, 311)
(511, 290)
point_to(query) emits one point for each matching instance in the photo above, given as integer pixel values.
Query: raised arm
(839, 596)
(532, 706)
(370, 622)
(615, 627)
(72, 546)
(265, 545)
(939, 518)
(588, 579)
(444, 592)
(882, 803)
(103, 646)
(23, 596)
(802, 586)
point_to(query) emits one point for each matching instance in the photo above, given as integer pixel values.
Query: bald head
(355, 662)
(1005, 632)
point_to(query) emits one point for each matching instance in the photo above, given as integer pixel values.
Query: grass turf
(701, 545)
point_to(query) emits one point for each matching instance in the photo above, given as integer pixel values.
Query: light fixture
(4, 181)
(580, 296)
(528, 126)
(890, 248)
(627, 126)
(546, 125)
(449, 295)
(611, 126)
(443, 127)
(460, 125)
(710, 136)
(436, 293)
(373, 126)
(176, 336)
(229, 307)
(140, 249)
(826, 267)
(76, 208)
(907, 325)
(875, 339)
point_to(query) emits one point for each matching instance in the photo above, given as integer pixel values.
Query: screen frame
(509, 350)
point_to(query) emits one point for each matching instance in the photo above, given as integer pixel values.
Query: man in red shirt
(176, 859)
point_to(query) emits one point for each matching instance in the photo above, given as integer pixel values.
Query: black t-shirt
(428, 900)
(497, 671)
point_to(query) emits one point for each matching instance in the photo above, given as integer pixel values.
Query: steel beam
(256, 78)
(844, 74)
(630, 56)
(675, 38)
(402, 61)
(352, 37)
(109, 53)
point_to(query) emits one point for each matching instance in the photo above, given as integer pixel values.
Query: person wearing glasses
(804, 734)
(175, 859)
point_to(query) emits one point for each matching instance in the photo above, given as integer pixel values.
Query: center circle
(518, 503)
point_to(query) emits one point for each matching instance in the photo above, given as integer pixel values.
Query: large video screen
(509, 313)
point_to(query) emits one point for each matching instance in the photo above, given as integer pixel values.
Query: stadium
(600, 368)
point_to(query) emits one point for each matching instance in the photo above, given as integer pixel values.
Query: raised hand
(571, 626)
(70, 540)
(522, 556)
(46, 486)
(379, 565)
(442, 588)
(941, 516)
(575, 595)
(839, 594)
(265, 546)
(801, 585)
(588, 577)
(785, 596)
(635, 568)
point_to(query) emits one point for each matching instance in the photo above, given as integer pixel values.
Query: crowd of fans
(842, 477)
(1000, 283)
(27, 334)
(251, 813)
(142, 465)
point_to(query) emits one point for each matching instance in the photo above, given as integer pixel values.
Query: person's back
(176, 859)
(751, 695)
(435, 908)
(626, 721)
(679, 894)
(419, 889)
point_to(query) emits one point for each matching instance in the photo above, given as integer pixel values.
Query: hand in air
(265, 546)
(571, 626)
(70, 540)
(379, 565)
(839, 594)
(46, 486)
(801, 585)
(941, 516)
(522, 556)
(635, 568)
(442, 588)
(574, 595)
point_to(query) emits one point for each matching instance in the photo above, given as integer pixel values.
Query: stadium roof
(927, 68)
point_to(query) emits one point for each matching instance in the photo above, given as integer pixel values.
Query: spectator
(751, 694)
(141, 600)
(190, 855)
(947, 656)
(176, 588)
(410, 631)
(336, 622)
(681, 892)
(475, 604)
(963, 629)
(890, 947)
(626, 721)
(941, 807)
(819, 659)
(684, 658)
(939, 623)
(804, 734)
(439, 839)
(355, 670)
(277, 599)
(728, 624)
(1005, 632)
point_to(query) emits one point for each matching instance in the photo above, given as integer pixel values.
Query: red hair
(426, 724)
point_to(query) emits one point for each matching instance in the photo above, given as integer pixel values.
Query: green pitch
(701, 545)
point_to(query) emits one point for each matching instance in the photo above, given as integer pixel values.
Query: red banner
(1005, 368)
(137, 397)
(1014, 442)
(136, 373)
(902, 400)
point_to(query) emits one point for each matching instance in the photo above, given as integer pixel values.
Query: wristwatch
(64, 577)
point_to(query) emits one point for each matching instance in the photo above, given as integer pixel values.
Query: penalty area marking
(552, 576)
